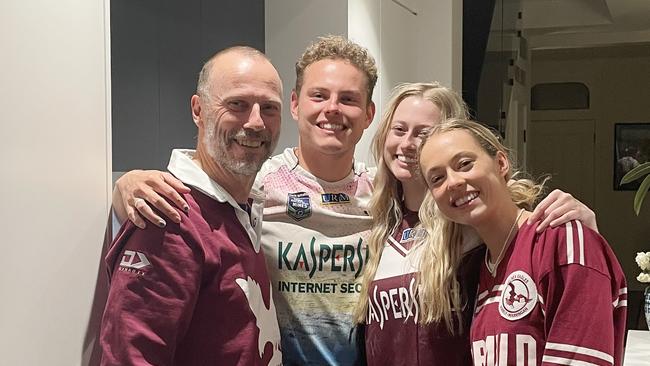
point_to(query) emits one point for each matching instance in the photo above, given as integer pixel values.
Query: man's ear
(504, 163)
(195, 103)
(294, 104)
(370, 113)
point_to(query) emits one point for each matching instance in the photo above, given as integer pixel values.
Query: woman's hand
(561, 207)
(136, 191)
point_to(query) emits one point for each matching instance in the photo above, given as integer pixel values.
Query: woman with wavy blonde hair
(416, 299)
(542, 295)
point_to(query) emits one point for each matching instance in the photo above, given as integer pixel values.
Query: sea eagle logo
(518, 296)
(265, 318)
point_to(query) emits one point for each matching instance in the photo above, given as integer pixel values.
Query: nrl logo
(298, 205)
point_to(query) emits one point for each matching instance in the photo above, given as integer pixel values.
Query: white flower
(643, 260)
(643, 277)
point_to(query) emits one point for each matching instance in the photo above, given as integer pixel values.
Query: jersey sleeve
(155, 279)
(583, 297)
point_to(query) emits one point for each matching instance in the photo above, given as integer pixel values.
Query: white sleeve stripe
(485, 293)
(540, 298)
(581, 240)
(482, 295)
(566, 361)
(487, 302)
(569, 242)
(622, 291)
(619, 304)
(580, 350)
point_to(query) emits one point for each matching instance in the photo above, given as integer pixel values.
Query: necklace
(492, 267)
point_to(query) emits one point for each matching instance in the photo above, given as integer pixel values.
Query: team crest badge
(518, 297)
(298, 205)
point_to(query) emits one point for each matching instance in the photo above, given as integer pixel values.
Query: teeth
(331, 126)
(463, 200)
(249, 143)
(407, 159)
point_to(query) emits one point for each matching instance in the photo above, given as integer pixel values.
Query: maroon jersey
(393, 335)
(194, 293)
(558, 298)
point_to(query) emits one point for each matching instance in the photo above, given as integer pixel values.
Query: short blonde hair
(338, 48)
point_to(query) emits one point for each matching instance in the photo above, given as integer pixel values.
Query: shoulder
(286, 159)
(573, 243)
(362, 170)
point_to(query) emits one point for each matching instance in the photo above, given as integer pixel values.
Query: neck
(495, 232)
(413, 191)
(330, 168)
(237, 185)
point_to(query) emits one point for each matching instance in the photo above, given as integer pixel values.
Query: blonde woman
(406, 307)
(555, 296)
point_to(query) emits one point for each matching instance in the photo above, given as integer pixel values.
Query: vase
(646, 305)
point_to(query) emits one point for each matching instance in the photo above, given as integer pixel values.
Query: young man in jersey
(315, 212)
(198, 292)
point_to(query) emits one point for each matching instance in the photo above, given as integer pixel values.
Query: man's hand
(560, 207)
(136, 190)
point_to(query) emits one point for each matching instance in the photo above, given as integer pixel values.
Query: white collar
(185, 169)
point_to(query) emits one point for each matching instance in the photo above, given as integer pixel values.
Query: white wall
(407, 47)
(55, 148)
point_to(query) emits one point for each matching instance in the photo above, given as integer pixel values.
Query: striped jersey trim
(570, 245)
(621, 300)
(566, 361)
(573, 349)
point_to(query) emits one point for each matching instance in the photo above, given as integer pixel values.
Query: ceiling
(550, 24)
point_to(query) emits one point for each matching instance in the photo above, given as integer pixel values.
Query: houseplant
(642, 259)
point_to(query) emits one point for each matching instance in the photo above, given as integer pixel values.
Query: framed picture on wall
(631, 148)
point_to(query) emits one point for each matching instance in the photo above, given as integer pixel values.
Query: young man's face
(332, 108)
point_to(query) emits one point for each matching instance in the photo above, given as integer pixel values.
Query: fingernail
(162, 223)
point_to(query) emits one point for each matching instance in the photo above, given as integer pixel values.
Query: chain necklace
(493, 267)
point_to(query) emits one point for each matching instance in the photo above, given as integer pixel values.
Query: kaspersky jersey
(314, 238)
(393, 334)
(558, 298)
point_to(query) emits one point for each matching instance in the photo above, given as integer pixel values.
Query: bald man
(198, 292)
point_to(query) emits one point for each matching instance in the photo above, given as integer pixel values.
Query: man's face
(241, 116)
(332, 108)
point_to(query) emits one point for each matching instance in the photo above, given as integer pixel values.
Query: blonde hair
(439, 289)
(385, 206)
(338, 48)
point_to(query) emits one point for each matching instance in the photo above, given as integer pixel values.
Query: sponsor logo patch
(298, 205)
(411, 234)
(518, 297)
(334, 198)
(134, 262)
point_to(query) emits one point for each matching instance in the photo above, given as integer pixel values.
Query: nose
(409, 143)
(255, 121)
(454, 180)
(333, 106)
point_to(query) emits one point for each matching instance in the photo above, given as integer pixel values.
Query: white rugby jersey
(558, 298)
(314, 238)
